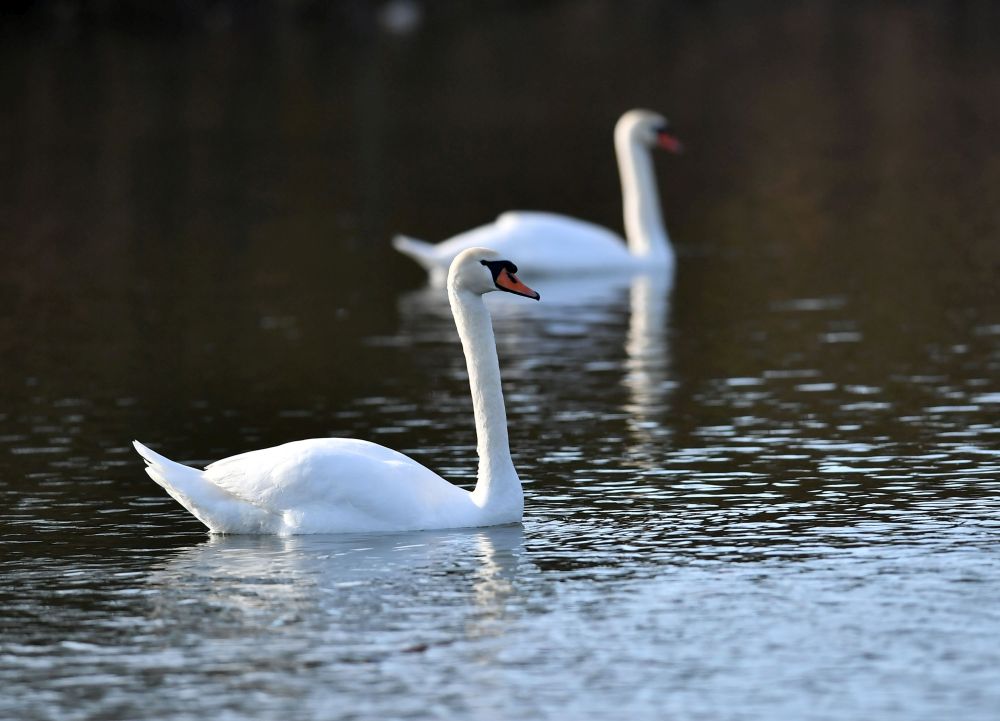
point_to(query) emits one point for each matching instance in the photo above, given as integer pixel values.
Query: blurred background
(197, 196)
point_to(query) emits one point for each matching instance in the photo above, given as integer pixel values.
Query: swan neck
(497, 483)
(644, 229)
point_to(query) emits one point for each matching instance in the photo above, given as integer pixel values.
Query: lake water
(769, 490)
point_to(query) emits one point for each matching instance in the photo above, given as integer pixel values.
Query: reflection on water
(371, 588)
(647, 366)
(770, 491)
(244, 625)
(471, 623)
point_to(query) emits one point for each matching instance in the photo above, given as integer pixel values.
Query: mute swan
(552, 244)
(333, 485)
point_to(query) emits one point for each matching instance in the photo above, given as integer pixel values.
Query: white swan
(333, 485)
(552, 244)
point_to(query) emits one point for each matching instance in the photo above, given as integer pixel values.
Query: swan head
(481, 271)
(649, 129)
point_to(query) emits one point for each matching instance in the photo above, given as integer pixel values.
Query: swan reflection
(647, 365)
(366, 593)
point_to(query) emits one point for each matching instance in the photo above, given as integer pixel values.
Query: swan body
(553, 244)
(334, 485)
(545, 242)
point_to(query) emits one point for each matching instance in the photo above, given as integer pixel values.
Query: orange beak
(508, 281)
(669, 142)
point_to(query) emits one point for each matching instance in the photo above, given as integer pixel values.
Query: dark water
(771, 491)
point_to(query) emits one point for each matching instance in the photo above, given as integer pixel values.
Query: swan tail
(221, 511)
(419, 250)
(426, 255)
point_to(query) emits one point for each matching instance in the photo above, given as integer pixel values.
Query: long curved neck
(498, 483)
(644, 230)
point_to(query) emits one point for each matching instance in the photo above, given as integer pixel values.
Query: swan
(552, 244)
(333, 485)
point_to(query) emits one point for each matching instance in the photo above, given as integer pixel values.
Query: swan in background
(552, 244)
(334, 485)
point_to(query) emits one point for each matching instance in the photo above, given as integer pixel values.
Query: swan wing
(340, 484)
(549, 243)
(540, 221)
(532, 236)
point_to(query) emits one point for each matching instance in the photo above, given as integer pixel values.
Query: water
(770, 491)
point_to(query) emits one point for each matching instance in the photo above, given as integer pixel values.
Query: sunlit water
(767, 490)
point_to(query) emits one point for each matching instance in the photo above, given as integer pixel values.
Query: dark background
(196, 200)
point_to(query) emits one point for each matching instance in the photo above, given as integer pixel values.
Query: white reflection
(647, 365)
(363, 583)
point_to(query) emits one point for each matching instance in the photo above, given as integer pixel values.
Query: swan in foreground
(333, 485)
(552, 244)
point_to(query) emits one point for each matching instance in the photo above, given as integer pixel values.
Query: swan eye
(501, 268)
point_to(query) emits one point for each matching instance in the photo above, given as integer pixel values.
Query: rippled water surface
(767, 490)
